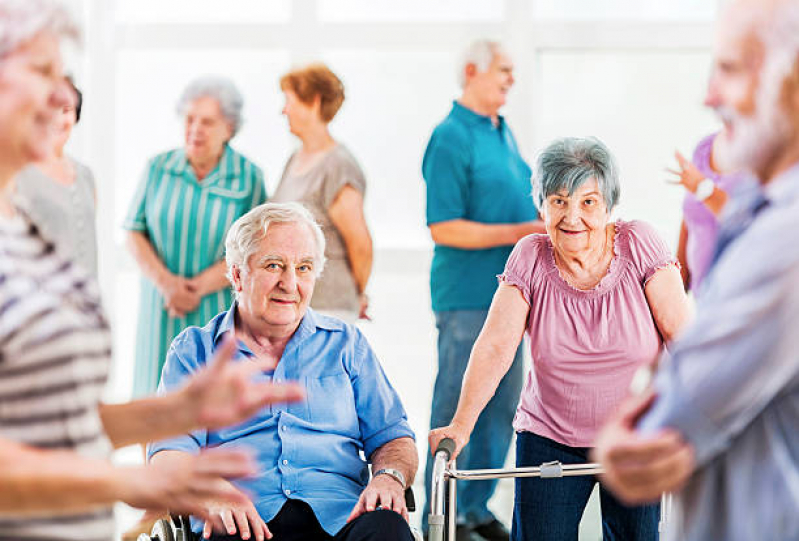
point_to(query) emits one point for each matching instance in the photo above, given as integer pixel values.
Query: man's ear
(791, 88)
(469, 71)
(235, 275)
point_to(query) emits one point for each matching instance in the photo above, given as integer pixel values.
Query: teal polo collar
(467, 115)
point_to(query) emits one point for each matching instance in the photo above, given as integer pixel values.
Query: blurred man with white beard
(720, 425)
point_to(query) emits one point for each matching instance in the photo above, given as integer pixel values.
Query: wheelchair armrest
(410, 500)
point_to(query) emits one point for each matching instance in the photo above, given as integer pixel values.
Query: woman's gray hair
(567, 163)
(22, 20)
(219, 88)
(481, 53)
(247, 232)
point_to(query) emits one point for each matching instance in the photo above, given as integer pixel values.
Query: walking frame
(443, 495)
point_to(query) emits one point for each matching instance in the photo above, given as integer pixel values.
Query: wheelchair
(178, 527)
(443, 495)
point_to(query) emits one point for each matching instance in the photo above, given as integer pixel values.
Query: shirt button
(287, 492)
(285, 462)
(284, 428)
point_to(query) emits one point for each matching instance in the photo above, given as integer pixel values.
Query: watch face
(704, 189)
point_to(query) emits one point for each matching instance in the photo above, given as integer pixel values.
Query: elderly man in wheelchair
(313, 481)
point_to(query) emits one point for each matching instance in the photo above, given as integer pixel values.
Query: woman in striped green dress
(185, 203)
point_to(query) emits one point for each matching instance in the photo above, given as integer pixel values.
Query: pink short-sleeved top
(585, 344)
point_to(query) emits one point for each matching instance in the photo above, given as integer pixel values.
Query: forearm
(53, 482)
(360, 256)
(148, 419)
(715, 203)
(399, 454)
(471, 235)
(148, 261)
(214, 278)
(487, 366)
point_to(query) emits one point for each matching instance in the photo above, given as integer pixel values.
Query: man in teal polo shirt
(478, 206)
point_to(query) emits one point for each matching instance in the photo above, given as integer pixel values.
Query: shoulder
(83, 172)
(531, 245)
(193, 346)
(636, 231)
(163, 160)
(343, 160)
(243, 163)
(450, 131)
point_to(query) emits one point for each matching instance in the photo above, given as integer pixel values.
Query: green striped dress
(186, 222)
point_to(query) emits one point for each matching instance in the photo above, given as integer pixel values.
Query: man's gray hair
(22, 20)
(779, 32)
(219, 88)
(567, 163)
(481, 53)
(247, 232)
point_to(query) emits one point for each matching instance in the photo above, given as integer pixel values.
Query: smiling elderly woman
(597, 300)
(185, 203)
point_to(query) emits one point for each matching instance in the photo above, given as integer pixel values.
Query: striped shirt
(55, 351)
(186, 222)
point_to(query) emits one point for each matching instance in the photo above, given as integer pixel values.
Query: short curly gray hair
(21, 20)
(219, 88)
(567, 163)
(248, 231)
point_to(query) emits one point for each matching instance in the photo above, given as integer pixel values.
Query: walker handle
(447, 446)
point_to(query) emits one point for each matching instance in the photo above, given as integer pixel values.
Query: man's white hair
(247, 232)
(22, 20)
(481, 53)
(779, 32)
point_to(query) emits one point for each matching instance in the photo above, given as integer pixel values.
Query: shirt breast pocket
(332, 404)
(229, 193)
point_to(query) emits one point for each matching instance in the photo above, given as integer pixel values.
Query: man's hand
(382, 492)
(639, 469)
(185, 486)
(223, 393)
(240, 518)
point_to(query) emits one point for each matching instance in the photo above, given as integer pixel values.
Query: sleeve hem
(662, 264)
(396, 431)
(514, 280)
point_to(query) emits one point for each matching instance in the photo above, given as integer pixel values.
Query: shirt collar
(469, 116)
(307, 327)
(180, 166)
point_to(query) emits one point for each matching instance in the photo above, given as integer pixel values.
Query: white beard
(755, 139)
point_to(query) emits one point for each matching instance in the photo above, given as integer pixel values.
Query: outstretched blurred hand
(687, 175)
(223, 393)
(185, 486)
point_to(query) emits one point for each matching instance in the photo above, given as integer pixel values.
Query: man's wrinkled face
(277, 285)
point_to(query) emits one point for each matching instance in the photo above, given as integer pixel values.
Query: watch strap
(391, 472)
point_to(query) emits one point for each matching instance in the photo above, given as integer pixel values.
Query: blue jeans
(488, 446)
(551, 509)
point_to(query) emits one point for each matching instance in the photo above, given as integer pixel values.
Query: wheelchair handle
(446, 446)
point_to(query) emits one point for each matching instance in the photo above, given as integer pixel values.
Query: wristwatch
(396, 474)
(704, 189)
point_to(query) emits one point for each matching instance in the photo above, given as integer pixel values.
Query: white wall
(631, 72)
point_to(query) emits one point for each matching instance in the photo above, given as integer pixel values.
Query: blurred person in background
(707, 191)
(185, 203)
(324, 176)
(56, 437)
(598, 299)
(719, 426)
(59, 192)
(478, 206)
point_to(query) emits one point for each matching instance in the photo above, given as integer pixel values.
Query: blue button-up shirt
(312, 450)
(731, 386)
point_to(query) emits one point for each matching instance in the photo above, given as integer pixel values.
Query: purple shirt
(585, 344)
(701, 223)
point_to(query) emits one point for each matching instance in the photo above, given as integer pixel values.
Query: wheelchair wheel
(162, 531)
